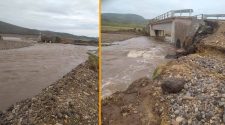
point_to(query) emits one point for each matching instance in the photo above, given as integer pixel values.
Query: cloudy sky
(78, 17)
(153, 8)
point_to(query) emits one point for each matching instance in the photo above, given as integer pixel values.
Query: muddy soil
(26, 71)
(72, 100)
(134, 106)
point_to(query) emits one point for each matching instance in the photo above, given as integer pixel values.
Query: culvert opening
(178, 44)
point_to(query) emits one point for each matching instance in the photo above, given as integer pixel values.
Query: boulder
(172, 85)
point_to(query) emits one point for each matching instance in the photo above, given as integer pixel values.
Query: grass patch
(158, 71)
(119, 28)
(93, 61)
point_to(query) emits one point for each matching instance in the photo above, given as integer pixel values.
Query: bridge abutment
(178, 28)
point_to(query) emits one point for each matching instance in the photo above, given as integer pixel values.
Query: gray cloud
(79, 17)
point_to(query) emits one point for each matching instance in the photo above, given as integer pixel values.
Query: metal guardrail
(207, 16)
(172, 13)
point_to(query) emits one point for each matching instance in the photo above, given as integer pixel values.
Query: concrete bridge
(178, 25)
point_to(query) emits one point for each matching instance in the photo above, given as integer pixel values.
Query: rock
(59, 115)
(125, 114)
(172, 85)
(135, 111)
(181, 52)
(173, 122)
(179, 119)
(58, 124)
(208, 115)
(221, 104)
(199, 116)
(176, 112)
(188, 97)
(189, 122)
(184, 122)
(170, 56)
(196, 109)
(223, 117)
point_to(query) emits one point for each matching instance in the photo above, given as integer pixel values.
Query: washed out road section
(24, 72)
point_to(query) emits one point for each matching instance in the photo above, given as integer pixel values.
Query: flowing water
(129, 60)
(24, 72)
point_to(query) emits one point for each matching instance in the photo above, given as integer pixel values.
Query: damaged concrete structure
(178, 25)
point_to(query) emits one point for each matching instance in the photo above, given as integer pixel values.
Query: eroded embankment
(71, 100)
(186, 91)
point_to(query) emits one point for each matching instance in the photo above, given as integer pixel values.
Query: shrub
(93, 62)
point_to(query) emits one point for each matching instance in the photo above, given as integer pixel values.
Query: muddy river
(24, 72)
(129, 60)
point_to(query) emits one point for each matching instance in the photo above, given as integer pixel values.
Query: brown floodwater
(24, 72)
(129, 60)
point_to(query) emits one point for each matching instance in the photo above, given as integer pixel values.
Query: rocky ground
(71, 100)
(187, 91)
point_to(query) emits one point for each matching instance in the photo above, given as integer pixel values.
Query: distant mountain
(6, 28)
(116, 19)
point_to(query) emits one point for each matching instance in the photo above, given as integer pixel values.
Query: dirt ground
(115, 37)
(134, 106)
(69, 101)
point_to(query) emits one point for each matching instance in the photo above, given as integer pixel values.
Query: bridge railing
(211, 16)
(171, 13)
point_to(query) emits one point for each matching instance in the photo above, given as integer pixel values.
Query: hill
(128, 20)
(6, 28)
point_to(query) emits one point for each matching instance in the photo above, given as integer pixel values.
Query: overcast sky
(78, 17)
(153, 8)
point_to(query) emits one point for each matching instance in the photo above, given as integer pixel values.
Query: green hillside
(6, 28)
(126, 20)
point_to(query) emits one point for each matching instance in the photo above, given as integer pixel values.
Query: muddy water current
(24, 72)
(129, 60)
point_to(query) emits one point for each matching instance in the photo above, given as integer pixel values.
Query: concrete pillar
(173, 32)
(151, 31)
